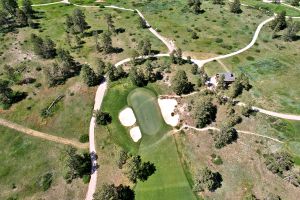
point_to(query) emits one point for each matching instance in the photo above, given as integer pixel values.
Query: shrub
(84, 138)
(250, 58)
(45, 181)
(86, 179)
(219, 40)
(102, 118)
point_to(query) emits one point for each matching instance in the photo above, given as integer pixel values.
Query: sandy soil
(167, 107)
(127, 117)
(135, 134)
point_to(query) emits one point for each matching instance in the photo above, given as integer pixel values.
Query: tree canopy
(138, 170)
(181, 84)
(207, 180)
(112, 192)
(204, 111)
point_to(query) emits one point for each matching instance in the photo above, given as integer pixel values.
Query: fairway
(145, 106)
(169, 180)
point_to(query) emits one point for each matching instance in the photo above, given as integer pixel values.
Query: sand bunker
(127, 117)
(135, 134)
(167, 107)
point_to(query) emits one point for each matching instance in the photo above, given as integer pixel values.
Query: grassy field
(146, 109)
(25, 159)
(274, 8)
(218, 30)
(272, 67)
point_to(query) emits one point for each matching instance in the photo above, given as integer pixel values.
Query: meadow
(24, 160)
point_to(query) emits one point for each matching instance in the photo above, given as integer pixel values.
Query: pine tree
(79, 21)
(291, 32)
(279, 22)
(110, 23)
(235, 7)
(106, 42)
(27, 8)
(181, 84)
(10, 6)
(22, 19)
(89, 76)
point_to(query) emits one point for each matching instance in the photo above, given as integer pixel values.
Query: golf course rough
(146, 109)
(169, 181)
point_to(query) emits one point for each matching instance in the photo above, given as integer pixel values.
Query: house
(228, 77)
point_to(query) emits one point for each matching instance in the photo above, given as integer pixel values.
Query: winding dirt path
(239, 131)
(42, 135)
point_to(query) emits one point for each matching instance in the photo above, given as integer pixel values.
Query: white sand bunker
(167, 107)
(135, 134)
(127, 117)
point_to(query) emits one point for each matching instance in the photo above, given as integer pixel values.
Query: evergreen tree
(224, 137)
(102, 118)
(137, 77)
(110, 23)
(106, 42)
(144, 47)
(291, 31)
(89, 76)
(204, 112)
(295, 2)
(142, 23)
(69, 23)
(207, 180)
(21, 18)
(10, 6)
(112, 192)
(235, 7)
(49, 50)
(80, 24)
(279, 22)
(27, 8)
(181, 84)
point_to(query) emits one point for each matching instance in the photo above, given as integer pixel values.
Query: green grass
(39, 1)
(24, 159)
(274, 73)
(114, 101)
(275, 8)
(146, 109)
(169, 180)
(215, 23)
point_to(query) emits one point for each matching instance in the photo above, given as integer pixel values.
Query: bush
(86, 179)
(102, 118)
(84, 138)
(250, 58)
(219, 40)
(45, 181)
(216, 159)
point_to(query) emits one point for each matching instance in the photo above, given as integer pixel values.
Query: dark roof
(229, 77)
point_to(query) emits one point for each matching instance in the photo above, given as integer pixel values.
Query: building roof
(229, 77)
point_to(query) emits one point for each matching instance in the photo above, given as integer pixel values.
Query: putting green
(146, 109)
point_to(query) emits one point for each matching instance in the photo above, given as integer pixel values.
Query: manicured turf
(169, 180)
(146, 109)
(114, 101)
(157, 146)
